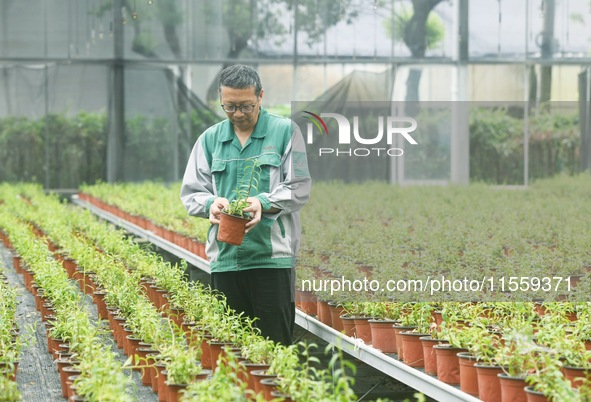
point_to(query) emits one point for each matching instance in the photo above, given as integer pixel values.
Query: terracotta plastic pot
(203, 375)
(143, 354)
(133, 343)
(72, 389)
(362, 329)
(215, 350)
(70, 266)
(174, 391)
(413, 348)
(512, 388)
(120, 322)
(576, 375)
(448, 364)
(98, 297)
(65, 375)
(468, 375)
(269, 385)
(61, 348)
(382, 335)
(323, 312)
(307, 302)
(161, 382)
(16, 262)
(348, 325)
(534, 396)
(335, 316)
(231, 229)
(162, 298)
(176, 314)
(206, 352)
(438, 318)
(489, 385)
(258, 376)
(153, 371)
(53, 345)
(196, 247)
(28, 276)
(397, 330)
(248, 369)
(61, 363)
(429, 354)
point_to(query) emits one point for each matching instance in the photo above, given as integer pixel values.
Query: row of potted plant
(205, 309)
(207, 315)
(499, 364)
(417, 333)
(504, 342)
(10, 341)
(228, 329)
(97, 375)
(152, 206)
(455, 232)
(552, 248)
(142, 331)
(137, 324)
(470, 232)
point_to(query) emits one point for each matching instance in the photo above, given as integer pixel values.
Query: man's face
(242, 97)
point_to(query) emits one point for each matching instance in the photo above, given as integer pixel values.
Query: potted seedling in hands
(233, 218)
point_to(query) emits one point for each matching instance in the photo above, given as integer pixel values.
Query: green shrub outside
(497, 145)
(77, 147)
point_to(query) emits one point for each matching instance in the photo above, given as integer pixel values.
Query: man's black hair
(240, 76)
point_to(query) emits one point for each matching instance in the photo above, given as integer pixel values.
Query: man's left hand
(256, 211)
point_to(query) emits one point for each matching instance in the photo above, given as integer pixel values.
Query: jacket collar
(260, 129)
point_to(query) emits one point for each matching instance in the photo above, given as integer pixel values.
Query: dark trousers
(262, 293)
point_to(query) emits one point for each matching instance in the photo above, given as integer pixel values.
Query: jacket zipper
(281, 227)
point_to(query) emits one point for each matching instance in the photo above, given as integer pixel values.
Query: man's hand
(215, 209)
(256, 210)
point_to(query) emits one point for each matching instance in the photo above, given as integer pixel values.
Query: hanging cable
(111, 22)
(89, 32)
(76, 28)
(566, 25)
(134, 13)
(124, 15)
(375, 29)
(529, 19)
(93, 23)
(499, 30)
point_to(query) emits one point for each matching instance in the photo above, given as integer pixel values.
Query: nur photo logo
(351, 142)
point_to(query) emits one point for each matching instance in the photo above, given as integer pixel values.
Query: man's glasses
(243, 108)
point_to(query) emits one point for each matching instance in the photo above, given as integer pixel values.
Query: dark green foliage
(64, 152)
(497, 151)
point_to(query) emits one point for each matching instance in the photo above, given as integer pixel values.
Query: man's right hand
(215, 209)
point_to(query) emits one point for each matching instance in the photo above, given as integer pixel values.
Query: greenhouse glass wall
(118, 90)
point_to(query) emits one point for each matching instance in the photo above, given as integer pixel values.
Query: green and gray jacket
(215, 168)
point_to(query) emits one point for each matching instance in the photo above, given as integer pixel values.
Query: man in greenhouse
(252, 164)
